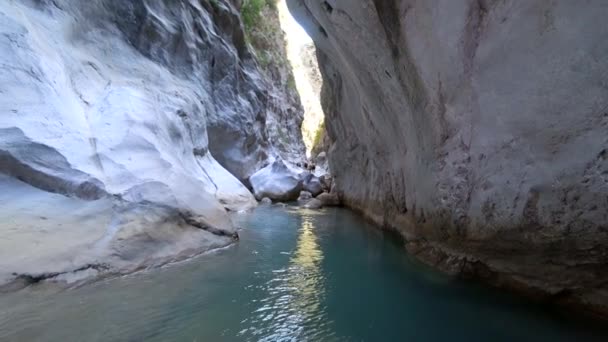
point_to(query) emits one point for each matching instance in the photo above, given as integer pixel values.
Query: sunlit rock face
(113, 116)
(319, 141)
(477, 129)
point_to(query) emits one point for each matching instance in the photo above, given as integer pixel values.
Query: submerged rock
(313, 204)
(276, 181)
(266, 201)
(477, 129)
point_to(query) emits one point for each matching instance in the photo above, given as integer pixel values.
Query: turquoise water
(296, 275)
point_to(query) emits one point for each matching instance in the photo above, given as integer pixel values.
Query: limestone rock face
(113, 116)
(477, 129)
(259, 114)
(284, 112)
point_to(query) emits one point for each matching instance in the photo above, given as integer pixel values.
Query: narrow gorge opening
(301, 53)
(287, 54)
(298, 55)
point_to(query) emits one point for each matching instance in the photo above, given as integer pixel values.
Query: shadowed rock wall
(477, 129)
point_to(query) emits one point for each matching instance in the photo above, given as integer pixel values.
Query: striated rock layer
(477, 129)
(113, 117)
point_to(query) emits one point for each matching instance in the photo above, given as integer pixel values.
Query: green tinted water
(296, 275)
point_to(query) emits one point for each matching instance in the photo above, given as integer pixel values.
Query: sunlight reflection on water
(295, 275)
(294, 294)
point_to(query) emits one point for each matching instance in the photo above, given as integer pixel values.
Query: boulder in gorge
(277, 181)
(311, 183)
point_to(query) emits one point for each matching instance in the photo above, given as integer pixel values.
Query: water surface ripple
(295, 275)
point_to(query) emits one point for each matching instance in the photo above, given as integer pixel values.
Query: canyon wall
(127, 129)
(478, 130)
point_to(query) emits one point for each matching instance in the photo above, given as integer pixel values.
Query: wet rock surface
(477, 129)
(126, 131)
